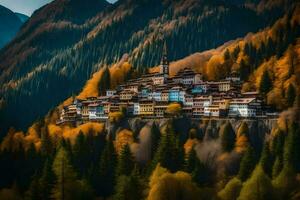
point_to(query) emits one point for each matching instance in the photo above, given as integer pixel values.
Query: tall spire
(164, 59)
(164, 68)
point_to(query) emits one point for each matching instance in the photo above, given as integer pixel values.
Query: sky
(27, 7)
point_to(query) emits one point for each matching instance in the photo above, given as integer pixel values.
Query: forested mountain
(175, 158)
(10, 24)
(22, 17)
(64, 42)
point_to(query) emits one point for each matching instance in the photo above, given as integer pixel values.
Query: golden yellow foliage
(90, 127)
(174, 109)
(115, 117)
(189, 144)
(91, 87)
(241, 144)
(214, 69)
(165, 185)
(124, 137)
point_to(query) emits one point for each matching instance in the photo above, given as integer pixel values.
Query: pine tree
(277, 167)
(107, 170)
(258, 187)
(65, 175)
(34, 191)
(128, 188)
(227, 137)
(104, 83)
(292, 147)
(266, 159)
(125, 161)
(200, 174)
(266, 83)
(46, 181)
(46, 142)
(155, 137)
(291, 95)
(231, 190)
(191, 161)
(166, 152)
(244, 70)
(247, 164)
(81, 153)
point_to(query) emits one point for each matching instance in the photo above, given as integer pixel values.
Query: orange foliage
(174, 109)
(93, 127)
(124, 137)
(241, 143)
(189, 144)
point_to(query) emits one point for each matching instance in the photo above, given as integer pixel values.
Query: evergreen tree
(166, 153)
(244, 70)
(81, 154)
(266, 159)
(34, 191)
(290, 95)
(155, 137)
(265, 83)
(277, 167)
(247, 164)
(46, 181)
(107, 170)
(65, 176)
(257, 187)
(292, 147)
(125, 161)
(200, 174)
(278, 143)
(104, 83)
(46, 142)
(128, 188)
(231, 190)
(191, 161)
(227, 137)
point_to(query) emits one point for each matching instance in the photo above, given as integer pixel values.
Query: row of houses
(150, 95)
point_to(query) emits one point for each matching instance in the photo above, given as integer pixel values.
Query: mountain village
(150, 95)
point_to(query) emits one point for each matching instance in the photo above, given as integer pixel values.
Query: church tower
(164, 64)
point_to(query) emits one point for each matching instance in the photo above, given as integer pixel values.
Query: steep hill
(57, 50)
(9, 25)
(22, 17)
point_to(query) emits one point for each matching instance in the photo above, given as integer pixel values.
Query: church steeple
(164, 64)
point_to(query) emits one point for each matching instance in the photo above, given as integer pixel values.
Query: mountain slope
(53, 59)
(22, 17)
(9, 25)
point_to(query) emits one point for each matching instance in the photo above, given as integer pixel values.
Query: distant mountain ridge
(22, 17)
(10, 24)
(64, 42)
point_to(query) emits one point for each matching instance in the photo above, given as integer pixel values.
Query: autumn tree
(242, 140)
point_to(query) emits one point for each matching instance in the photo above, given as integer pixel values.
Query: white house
(244, 107)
